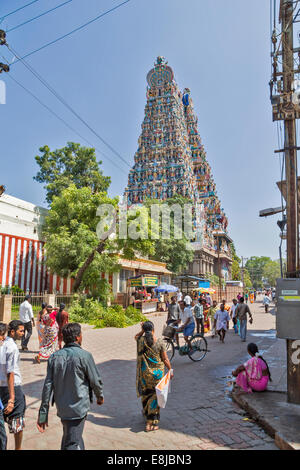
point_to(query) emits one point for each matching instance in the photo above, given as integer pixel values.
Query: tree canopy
(72, 164)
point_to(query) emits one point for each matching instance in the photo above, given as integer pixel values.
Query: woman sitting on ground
(254, 375)
(151, 358)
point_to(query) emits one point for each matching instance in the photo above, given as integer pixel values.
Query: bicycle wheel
(170, 350)
(199, 351)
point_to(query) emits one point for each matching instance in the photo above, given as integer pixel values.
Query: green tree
(235, 268)
(73, 246)
(255, 266)
(271, 272)
(176, 253)
(72, 164)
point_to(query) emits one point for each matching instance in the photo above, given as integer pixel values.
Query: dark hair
(148, 328)
(58, 316)
(44, 305)
(70, 332)
(3, 328)
(253, 350)
(27, 297)
(14, 326)
(242, 299)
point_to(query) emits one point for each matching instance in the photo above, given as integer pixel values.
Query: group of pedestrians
(69, 369)
(196, 313)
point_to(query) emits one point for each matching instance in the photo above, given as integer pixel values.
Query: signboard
(144, 281)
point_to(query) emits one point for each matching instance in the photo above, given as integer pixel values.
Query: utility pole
(284, 108)
(293, 371)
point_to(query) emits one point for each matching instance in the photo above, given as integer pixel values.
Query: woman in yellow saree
(151, 359)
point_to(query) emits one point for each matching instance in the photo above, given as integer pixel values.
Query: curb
(280, 440)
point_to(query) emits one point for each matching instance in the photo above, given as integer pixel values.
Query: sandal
(37, 360)
(154, 427)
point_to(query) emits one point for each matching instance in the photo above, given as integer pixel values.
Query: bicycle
(196, 354)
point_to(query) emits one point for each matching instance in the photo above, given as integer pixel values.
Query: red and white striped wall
(22, 263)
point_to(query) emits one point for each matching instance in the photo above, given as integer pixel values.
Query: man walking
(26, 317)
(72, 376)
(11, 393)
(241, 312)
(233, 315)
(199, 316)
(266, 302)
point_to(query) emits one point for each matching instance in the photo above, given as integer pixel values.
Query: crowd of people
(201, 313)
(72, 376)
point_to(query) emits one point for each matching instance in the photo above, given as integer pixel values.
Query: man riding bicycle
(187, 323)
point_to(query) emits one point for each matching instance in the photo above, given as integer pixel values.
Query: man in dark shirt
(72, 376)
(241, 312)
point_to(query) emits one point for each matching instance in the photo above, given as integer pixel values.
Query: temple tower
(171, 160)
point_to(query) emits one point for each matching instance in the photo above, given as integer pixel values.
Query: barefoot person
(254, 375)
(151, 359)
(221, 324)
(11, 393)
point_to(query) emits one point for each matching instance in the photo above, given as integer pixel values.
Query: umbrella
(166, 288)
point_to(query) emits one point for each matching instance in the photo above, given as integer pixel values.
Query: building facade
(23, 260)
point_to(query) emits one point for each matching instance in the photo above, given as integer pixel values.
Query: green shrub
(94, 313)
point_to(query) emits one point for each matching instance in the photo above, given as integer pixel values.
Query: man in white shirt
(187, 300)
(179, 296)
(26, 317)
(11, 393)
(188, 323)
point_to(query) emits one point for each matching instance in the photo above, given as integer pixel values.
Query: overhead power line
(38, 16)
(18, 9)
(63, 101)
(63, 121)
(72, 32)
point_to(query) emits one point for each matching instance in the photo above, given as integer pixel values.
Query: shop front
(144, 296)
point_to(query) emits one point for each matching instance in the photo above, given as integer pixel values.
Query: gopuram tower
(171, 160)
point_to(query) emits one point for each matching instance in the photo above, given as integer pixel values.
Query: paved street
(199, 415)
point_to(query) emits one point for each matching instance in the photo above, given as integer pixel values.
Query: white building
(22, 257)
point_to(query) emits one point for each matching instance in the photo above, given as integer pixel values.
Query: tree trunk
(100, 248)
(90, 259)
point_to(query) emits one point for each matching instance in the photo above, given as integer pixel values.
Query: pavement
(200, 413)
(271, 409)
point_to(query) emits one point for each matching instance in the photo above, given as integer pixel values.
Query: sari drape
(252, 378)
(48, 335)
(150, 370)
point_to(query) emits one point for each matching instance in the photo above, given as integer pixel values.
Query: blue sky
(219, 49)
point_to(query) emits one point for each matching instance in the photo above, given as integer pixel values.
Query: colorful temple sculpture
(171, 160)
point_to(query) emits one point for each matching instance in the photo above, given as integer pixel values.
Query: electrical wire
(62, 120)
(73, 31)
(39, 16)
(18, 9)
(63, 101)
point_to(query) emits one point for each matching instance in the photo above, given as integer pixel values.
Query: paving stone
(198, 413)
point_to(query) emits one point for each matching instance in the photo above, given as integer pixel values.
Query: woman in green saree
(151, 359)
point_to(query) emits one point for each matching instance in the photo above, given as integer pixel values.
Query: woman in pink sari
(48, 335)
(254, 375)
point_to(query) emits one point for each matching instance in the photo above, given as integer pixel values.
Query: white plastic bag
(162, 389)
